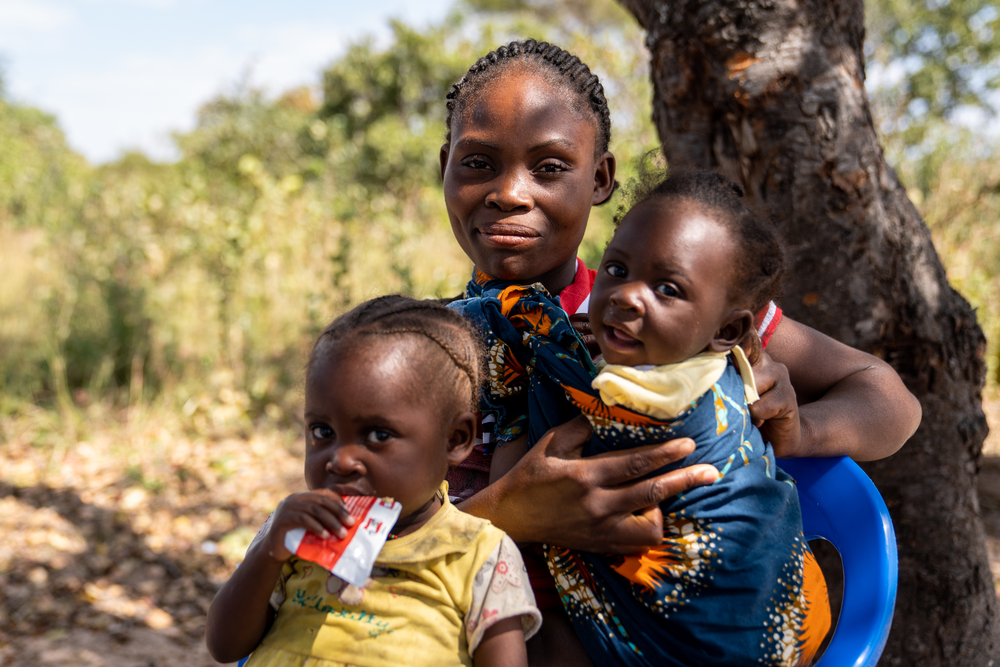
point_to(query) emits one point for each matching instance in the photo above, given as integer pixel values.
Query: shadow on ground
(74, 566)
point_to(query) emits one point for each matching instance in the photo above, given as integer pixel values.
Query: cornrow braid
(565, 69)
(463, 364)
(399, 315)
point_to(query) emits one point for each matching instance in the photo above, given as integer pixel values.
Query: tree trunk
(772, 93)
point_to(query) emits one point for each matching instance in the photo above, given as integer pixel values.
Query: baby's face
(661, 291)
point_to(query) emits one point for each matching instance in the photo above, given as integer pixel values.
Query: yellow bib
(666, 391)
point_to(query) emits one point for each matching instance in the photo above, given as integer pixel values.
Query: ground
(114, 541)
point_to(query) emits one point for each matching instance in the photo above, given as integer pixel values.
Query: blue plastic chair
(841, 505)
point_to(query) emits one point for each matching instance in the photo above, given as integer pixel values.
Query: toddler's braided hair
(759, 265)
(562, 67)
(455, 376)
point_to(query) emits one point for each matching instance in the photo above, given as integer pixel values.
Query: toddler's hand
(321, 512)
(776, 414)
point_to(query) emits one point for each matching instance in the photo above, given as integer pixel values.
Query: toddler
(390, 392)
(733, 582)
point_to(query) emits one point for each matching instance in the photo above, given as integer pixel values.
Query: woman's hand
(850, 403)
(321, 512)
(776, 414)
(554, 495)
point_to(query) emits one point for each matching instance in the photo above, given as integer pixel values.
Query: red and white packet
(353, 557)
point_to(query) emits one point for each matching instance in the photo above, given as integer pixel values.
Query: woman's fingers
(777, 411)
(613, 469)
(630, 498)
(638, 532)
(566, 440)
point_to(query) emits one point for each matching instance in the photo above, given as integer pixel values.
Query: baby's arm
(503, 645)
(241, 613)
(849, 403)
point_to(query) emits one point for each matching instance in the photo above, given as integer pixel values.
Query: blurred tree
(773, 95)
(931, 61)
(934, 80)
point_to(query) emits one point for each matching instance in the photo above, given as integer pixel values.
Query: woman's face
(520, 176)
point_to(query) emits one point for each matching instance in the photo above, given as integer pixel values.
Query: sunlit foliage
(201, 283)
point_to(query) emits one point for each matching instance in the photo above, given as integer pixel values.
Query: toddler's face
(520, 177)
(661, 291)
(368, 433)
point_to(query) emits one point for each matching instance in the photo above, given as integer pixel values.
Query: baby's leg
(556, 644)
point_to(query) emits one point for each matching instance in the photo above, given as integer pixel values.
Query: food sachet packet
(353, 557)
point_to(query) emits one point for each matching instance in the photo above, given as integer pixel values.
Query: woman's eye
(667, 289)
(378, 435)
(475, 163)
(616, 271)
(320, 431)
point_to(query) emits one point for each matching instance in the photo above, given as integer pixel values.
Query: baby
(734, 581)
(390, 390)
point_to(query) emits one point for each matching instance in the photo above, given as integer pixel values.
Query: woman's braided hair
(564, 69)
(458, 379)
(759, 264)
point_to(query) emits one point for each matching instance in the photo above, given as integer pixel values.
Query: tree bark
(772, 93)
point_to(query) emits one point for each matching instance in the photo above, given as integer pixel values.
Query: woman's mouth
(507, 235)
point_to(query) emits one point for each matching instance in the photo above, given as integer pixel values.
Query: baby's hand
(581, 322)
(776, 414)
(321, 512)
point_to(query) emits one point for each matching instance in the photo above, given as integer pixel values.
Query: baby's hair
(760, 257)
(564, 68)
(457, 381)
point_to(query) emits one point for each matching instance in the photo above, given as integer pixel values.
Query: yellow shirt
(418, 607)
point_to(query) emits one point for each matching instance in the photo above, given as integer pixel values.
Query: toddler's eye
(667, 289)
(378, 435)
(616, 270)
(320, 431)
(552, 167)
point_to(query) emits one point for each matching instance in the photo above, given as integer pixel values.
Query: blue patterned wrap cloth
(733, 582)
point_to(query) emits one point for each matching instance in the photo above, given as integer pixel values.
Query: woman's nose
(629, 296)
(510, 191)
(344, 462)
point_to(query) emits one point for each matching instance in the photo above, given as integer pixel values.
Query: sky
(124, 74)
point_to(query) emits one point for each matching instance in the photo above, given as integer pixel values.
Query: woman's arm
(849, 402)
(554, 495)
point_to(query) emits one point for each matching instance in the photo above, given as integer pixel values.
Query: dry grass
(114, 546)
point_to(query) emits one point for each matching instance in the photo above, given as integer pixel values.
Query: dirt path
(113, 547)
